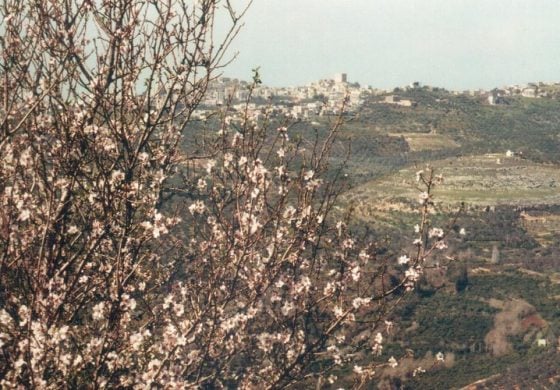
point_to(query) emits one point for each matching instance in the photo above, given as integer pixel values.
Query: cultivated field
(426, 141)
(543, 227)
(485, 180)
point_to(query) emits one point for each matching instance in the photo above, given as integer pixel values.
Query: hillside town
(327, 96)
(324, 97)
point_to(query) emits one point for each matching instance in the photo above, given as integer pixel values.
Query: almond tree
(276, 291)
(253, 280)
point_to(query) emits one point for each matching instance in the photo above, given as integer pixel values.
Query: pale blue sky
(457, 44)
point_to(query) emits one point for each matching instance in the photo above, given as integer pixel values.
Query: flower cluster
(134, 258)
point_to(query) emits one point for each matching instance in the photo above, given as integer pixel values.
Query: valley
(490, 302)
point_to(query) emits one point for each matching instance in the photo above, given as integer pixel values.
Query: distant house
(530, 92)
(496, 97)
(241, 94)
(340, 78)
(406, 103)
(394, 99)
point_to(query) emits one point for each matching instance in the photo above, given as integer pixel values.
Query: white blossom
(210, 166)
(287, 308)
(412, 274)
(136, 341)
(99, 311)
(228, 158)
(73, 229)
(201, 184)
(117, 177)
(436, 232)
(359, 302)
(24, 215)
(329, 289)
(404, 259)
(197, 207)
(355, 272)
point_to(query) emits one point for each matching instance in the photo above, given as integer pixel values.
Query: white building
(530, 92)
(340, 78)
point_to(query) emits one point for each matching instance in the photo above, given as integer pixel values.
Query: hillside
(504, 270)
(493, 293)
(489, 179)
(446, 125)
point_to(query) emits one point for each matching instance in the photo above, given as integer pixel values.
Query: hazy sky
(457, 44)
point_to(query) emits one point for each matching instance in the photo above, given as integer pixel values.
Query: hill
(509, 258)
(490, 179)
(443, 125)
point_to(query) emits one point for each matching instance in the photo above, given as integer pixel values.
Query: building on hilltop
(394, 99)
(530, 91)
(496, 97)
(341, 78)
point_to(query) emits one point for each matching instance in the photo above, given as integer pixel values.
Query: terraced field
(484, 180)
(513, 211)
(543, 227)
(427, 141)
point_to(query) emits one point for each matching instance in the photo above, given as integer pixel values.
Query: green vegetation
(483, 180)
(524, 125)
(458, 323)
(505, 267)
(423, 141)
